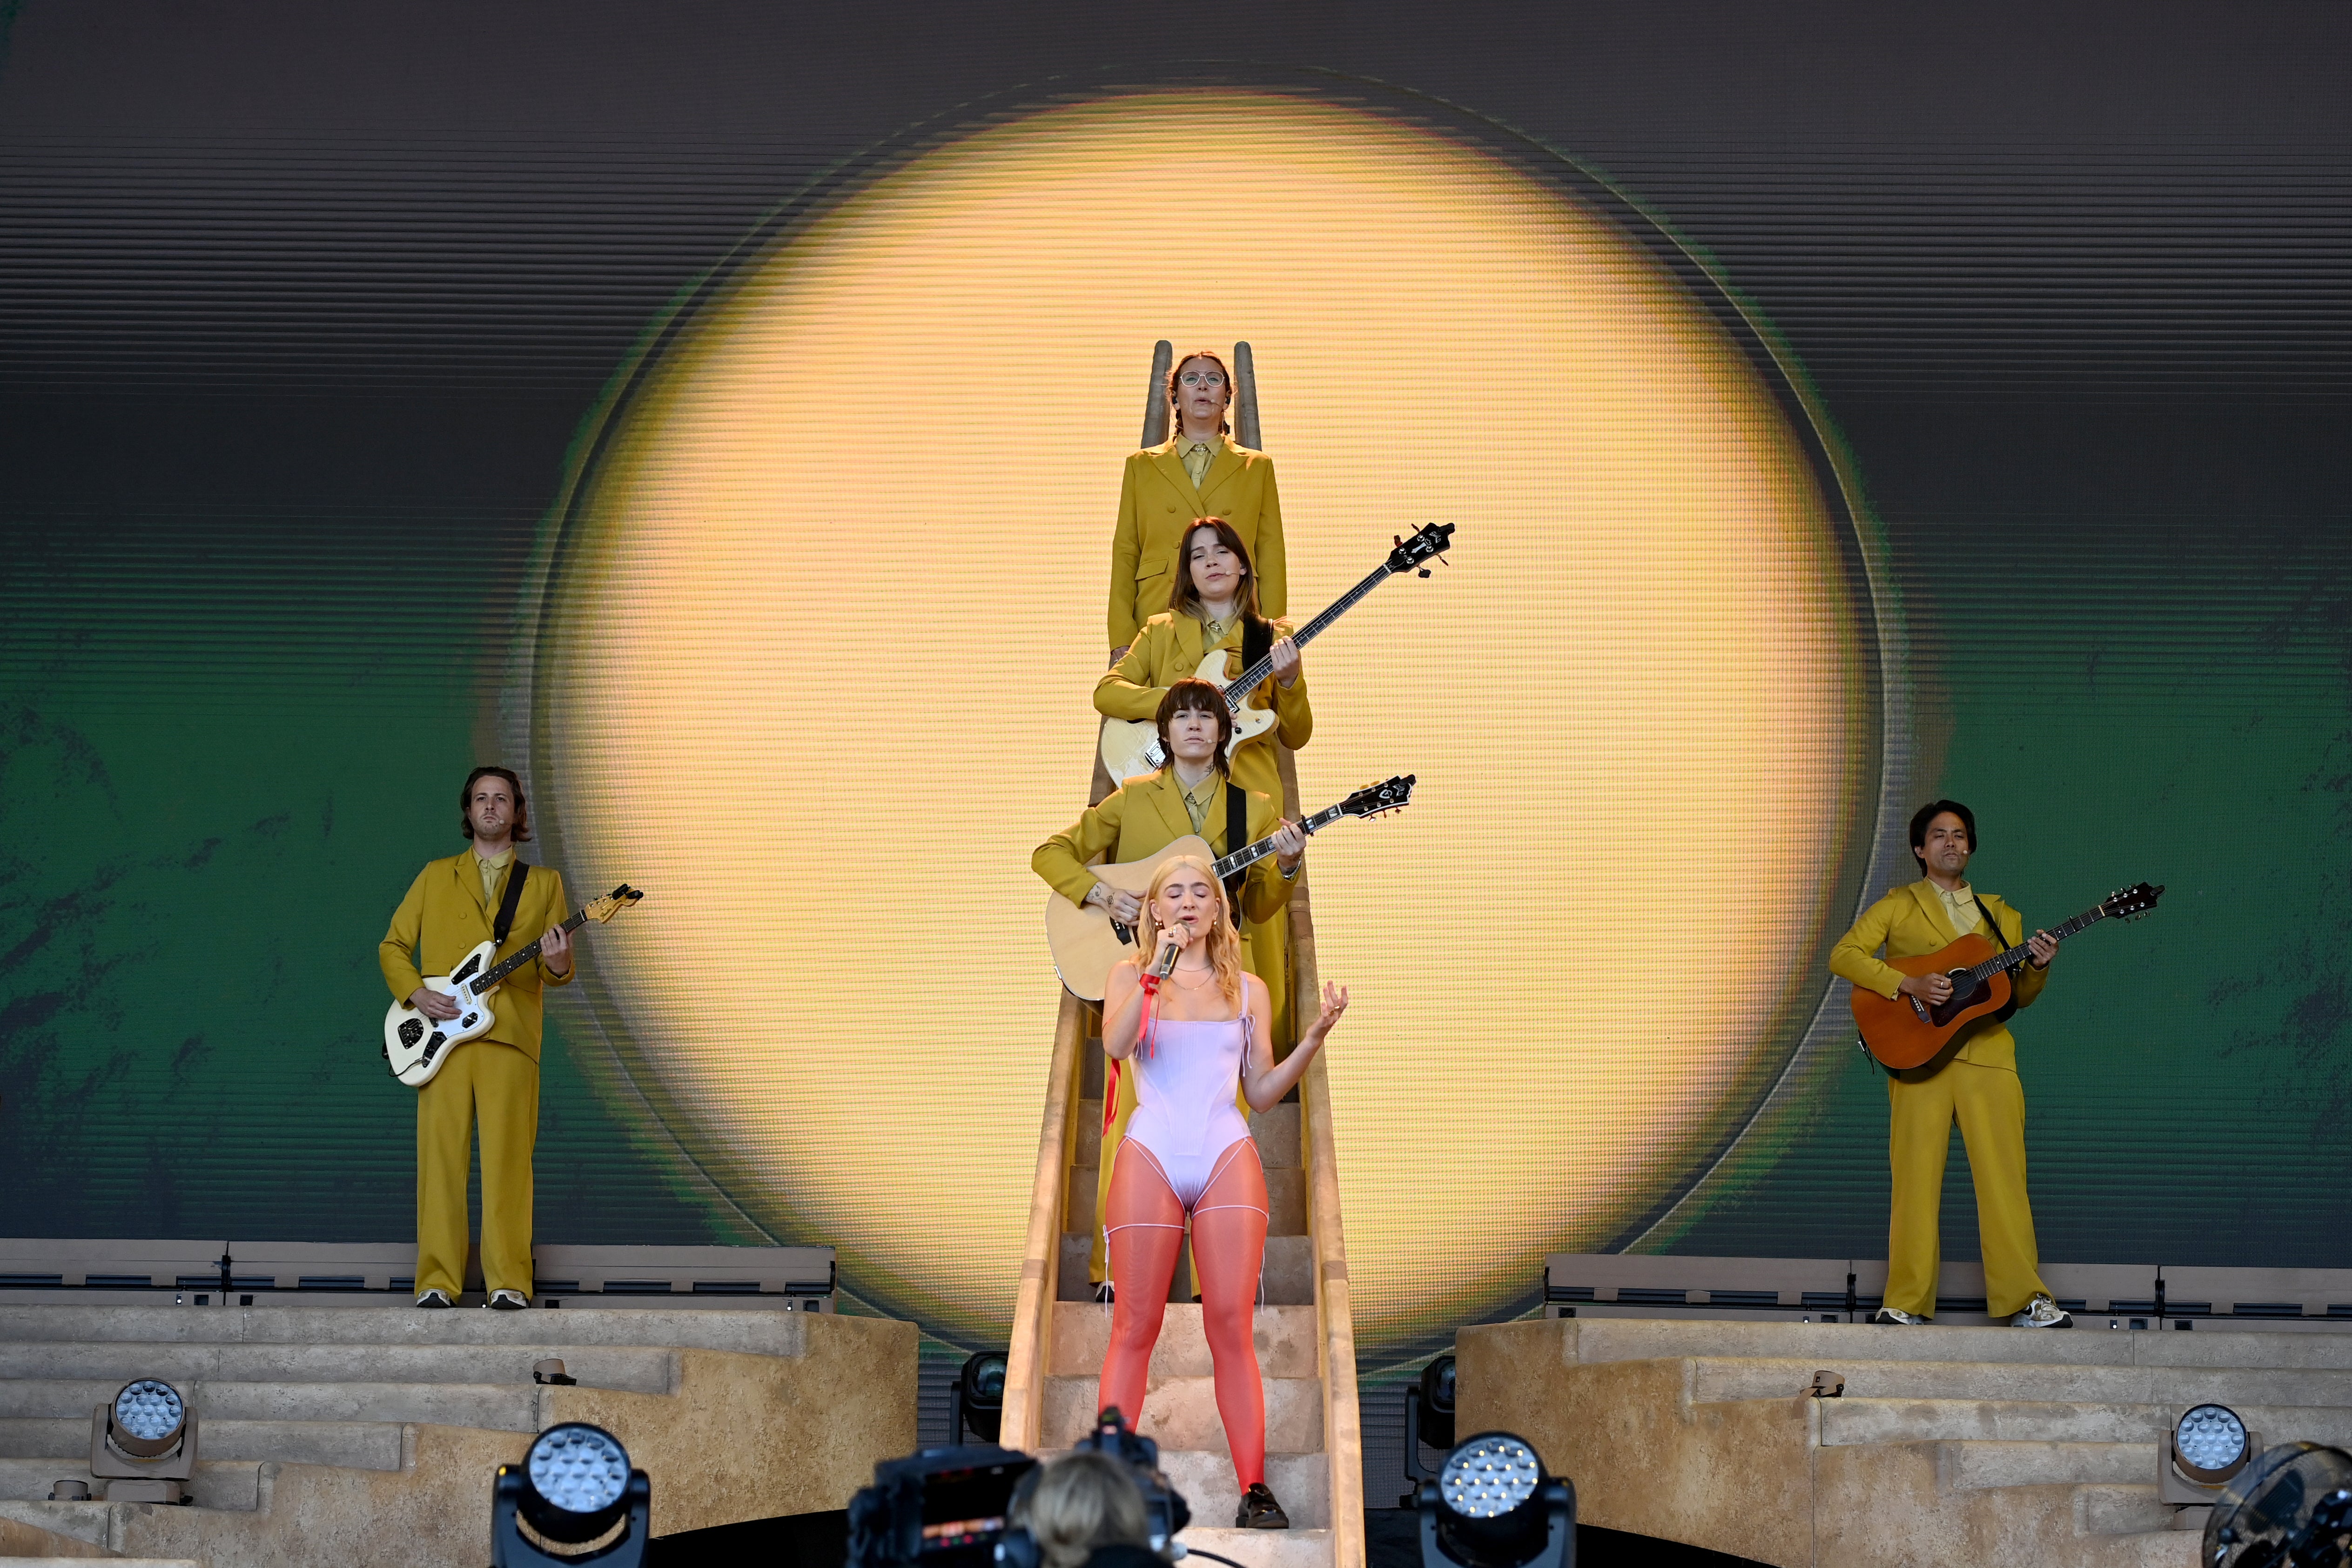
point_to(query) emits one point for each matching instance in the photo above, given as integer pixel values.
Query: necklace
(1209, 970)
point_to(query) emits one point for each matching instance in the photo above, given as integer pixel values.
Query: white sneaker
(1890, 1315)
(2042, 1312)
(434, 1299)
(507, 1301)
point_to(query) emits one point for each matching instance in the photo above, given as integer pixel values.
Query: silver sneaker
(434, 1299)
(1890, 1315)
(507, 1301)
(2042, 1312)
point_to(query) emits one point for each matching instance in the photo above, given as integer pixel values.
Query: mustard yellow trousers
(1990, 1104)
(497, 1086)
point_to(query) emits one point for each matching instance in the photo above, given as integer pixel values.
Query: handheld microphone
(1166, 961)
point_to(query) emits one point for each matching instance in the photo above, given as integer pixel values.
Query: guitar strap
(1236, 837)
(1999, 940)
(513, 901)
(1257, 641)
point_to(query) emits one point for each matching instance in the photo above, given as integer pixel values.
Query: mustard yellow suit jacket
(1144, 817)
(1157, 507)
(1167, 650)
(443, 919)
(1910, 921)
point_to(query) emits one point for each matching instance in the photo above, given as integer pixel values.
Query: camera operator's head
(1084, 1505)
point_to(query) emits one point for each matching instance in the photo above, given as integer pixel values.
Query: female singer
(1193, 1024)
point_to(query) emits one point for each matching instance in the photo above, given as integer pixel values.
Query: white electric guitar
(1128, 749)
(414, 1046)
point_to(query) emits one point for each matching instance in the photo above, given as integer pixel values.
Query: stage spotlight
(1492, 1506)
(1428, 1419)
(572, 1500)
(978, 1402)
(2208, 1445)
(144, 1444)
(2291, 1507)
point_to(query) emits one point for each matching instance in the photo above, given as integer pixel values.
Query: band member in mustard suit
(1199, 471)
(493, 1080)
(1144, 817)
(1976, 1085)
(1216, 607)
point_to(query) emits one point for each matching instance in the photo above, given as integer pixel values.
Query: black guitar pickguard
(411, 1031)
(1958, 1003)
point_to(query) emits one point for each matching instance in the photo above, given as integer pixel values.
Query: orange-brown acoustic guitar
(1908, 1032)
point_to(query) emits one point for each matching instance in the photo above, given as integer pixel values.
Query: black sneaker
(434, 1299)
(1259, 1511)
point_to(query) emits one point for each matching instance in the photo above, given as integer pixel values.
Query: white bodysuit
(1185, 1121)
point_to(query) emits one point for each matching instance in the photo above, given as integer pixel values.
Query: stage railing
(1030, 1356)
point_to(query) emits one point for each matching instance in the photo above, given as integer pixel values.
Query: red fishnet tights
(1147, 1230)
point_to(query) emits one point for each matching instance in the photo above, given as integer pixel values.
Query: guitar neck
(1250, 679)
(517, 959)
(1241, 859)
(2010, 958)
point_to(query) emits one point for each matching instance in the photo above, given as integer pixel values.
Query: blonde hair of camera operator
(1082, 1500)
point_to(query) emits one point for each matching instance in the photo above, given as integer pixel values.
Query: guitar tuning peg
(1424, 571)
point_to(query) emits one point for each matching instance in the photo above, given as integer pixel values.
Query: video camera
(948, 1507)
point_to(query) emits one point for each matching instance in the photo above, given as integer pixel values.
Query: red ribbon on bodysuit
(1143, 1044)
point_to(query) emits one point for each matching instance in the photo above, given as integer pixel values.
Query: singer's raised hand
(1335, 1002)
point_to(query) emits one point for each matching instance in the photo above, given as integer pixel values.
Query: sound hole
(411, 1031)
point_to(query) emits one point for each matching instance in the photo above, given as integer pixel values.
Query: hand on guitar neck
(1937, 989)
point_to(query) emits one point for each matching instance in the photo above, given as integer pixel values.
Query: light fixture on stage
(2289, 1507)
(977, 1401)
(144, 1444)
(572, 1500)
(1492, 1506)
(1428, 1419)
(2208, 1445)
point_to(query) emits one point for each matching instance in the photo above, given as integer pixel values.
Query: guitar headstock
(2131, 902)
(611, 904)
(1373, 799)
(1433, 539)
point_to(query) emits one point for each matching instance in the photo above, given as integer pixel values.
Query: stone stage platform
(368, 1436)
(1949, 1445)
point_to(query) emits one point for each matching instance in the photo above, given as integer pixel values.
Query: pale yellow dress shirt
(489, 866)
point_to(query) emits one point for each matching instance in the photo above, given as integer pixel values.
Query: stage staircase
(1305, 1333)
(369, 1436)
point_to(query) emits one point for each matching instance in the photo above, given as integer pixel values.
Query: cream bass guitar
(1128, 749)
(414, 1046)
(1086, 941)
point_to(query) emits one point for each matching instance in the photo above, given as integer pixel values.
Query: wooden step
(1181, 1412)
(1287, 1277)
(1285, 1338)
(1297, 1547)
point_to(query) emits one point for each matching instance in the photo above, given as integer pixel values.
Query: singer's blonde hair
(1225, 937)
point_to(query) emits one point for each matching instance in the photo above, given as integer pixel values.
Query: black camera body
(942, 1508)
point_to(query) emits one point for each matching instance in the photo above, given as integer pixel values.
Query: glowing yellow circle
(817, 652)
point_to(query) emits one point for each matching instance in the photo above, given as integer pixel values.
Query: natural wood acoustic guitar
(1908, 1032)
(1087, 943)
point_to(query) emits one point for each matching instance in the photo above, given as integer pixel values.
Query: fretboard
(1249, 679)
(1241, 858)
(517, 959)
(2011, 957)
